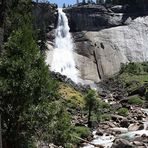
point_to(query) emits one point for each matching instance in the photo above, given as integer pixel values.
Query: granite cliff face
(104, 38)
(45, 16)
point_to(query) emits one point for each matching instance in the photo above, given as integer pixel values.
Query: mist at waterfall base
(63, 59)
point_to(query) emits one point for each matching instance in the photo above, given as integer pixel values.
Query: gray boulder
(122, 143)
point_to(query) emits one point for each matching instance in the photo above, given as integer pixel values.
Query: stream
(107, 141)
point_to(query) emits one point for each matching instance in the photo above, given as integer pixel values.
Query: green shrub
(82, 131)
(135, 68)
(135, 101)
(104, 105)
(79, 132)
(123, 112)
(105, 117)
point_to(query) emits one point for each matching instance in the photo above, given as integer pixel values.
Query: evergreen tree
(64, 5)
(97, 1)
(90, 104)
(88, 1)
(101, 1)
(25, 78)
(84, 2)
(108, 1)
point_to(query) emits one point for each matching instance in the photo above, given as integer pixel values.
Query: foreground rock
(122, 143)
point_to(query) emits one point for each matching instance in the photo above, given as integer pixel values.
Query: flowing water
(107, 141)
(133, 134)
(104, 140)
(63, 58)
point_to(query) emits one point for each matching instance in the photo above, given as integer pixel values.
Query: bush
(123, 112)
(135, 68)
(80, 132)
(105, 117)
(56, 126)
(104, 105)
(135, 101)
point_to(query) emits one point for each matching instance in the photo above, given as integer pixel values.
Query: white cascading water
(63, 59)
(107, 141)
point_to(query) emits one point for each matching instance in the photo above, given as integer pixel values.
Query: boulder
(138, 143)
(122, 143)
(117, 117)
(99, 132)
(119, 8)
(135, 127)
(119, 130)
(125, 123)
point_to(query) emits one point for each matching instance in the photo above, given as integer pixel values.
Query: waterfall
(63, 59)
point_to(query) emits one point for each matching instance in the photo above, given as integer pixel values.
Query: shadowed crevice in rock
(99, 74)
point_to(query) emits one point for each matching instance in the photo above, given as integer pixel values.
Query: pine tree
(84, 2)
(108, 1)
(88, 1)
(90, 103)
(25, 78)
(64, 5)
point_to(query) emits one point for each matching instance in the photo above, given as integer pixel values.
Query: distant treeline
(115, 2)
(139, 3)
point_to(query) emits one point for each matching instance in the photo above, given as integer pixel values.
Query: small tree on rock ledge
(90, 104)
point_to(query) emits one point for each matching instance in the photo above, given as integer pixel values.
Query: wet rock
(111, 124)
(62, 78)
(105, 126)
(125, 123)
(119, 130)
(119, 8)
(135, 127)
(122, 143)
(138, 143)
(99, 132)
(117, 117)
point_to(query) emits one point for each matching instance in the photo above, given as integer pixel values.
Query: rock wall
(104, 38)
(110, 47)
(114, 39)
(97, 17)
(45, 16)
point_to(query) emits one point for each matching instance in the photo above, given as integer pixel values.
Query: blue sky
(61, 2)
